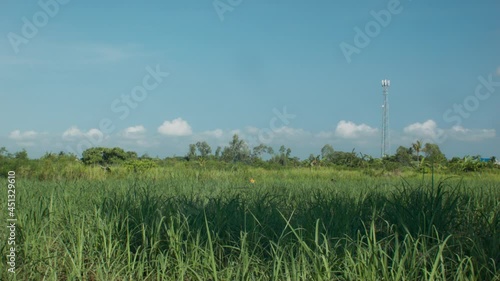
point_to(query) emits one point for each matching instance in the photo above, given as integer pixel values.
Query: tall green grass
(288, 225)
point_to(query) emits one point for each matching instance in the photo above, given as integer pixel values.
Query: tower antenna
(386, 147)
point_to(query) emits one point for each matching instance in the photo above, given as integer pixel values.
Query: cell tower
(386, 146)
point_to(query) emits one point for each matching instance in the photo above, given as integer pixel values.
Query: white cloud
(176, 127)
(71, 133)
(463, 134)
(20, 136)
(235, 132)
(217, 133)
(325, 134)
(94, 133)
(349, 130)
(252, 130)
(134, 132)
(428, 129)
(147, 143)
(290, 132)
(75, 133)
(255, 136)
(29, 138)
(26, 143)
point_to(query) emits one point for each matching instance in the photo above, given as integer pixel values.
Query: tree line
(417, 156)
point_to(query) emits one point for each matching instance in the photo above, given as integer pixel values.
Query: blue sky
(74, 74)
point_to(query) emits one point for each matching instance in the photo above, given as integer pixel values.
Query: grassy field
(294, 224)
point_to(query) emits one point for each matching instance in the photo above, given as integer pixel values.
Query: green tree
(327, 152)
(348, 159)
(312, 161)
(404, 155)
(204, 149)
(104, 156)
(259, 150)
(21, 155)
(93, 156)
(433, 153)
(140, 165)
(115, 155)
(4, 153)
(192, 152)
(417, 147)
(218, 152)
(132, 155)
(283, 158)
(145, 156)
(237, 150)
(49, 156)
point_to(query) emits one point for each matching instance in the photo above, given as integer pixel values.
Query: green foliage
(131, 155)
(192, 152)
(4, 153)
(105, 156)
(417, 147)
(260, 150)
(347, 159)
(21, 155)
(204, 149)
(140, 165)
(469, 164)
(289, 225)
(237, 151)
(93, 156)
(261, 156)
(425, 209)
(327, 153)
(218, 152)
(283, 158)
(404, 155)
(433, 153)
(17, 161)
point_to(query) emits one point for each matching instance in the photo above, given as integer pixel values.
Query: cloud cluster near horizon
(178, 128)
